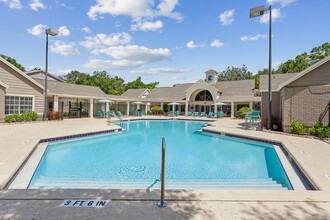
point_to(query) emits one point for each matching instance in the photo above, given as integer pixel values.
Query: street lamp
(255, 12)
(51, 32)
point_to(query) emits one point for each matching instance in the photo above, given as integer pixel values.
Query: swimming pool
(131, 159)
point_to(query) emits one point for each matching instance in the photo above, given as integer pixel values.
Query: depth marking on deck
(84, 203)
(305, 153)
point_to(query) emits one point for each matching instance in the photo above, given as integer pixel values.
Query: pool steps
(249, 184)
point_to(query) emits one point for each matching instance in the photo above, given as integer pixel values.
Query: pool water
(132, 159)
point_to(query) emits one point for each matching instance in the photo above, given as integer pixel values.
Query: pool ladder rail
(162, 202)
(121, 121)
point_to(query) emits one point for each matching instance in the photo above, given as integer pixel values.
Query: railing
(327, 109)
(162, 202)
(121, 121)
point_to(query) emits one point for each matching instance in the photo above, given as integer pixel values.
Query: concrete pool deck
(18, 140)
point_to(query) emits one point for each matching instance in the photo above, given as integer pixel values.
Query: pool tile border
(78, 135)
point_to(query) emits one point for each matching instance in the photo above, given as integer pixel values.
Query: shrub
(157, 110)
(27, 116)
(51, 115)
(242, 111)
(297, 128)
(320, 131)
(10, 118)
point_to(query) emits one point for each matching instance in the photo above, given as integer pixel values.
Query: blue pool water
(131, 159)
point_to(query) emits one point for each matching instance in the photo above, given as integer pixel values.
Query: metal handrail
(327, 109)
(162, 203)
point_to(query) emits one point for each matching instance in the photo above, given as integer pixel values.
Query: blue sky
(169, 41)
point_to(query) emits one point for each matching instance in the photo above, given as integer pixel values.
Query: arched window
(204, 96)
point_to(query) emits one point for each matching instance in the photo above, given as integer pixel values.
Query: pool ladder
(121, 121)
(162, 202)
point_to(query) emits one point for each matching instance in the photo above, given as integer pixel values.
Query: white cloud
(36, 5)
(128, 57)
(61, 72)
(101, 40)
(86, 30)
(146, 9)
(217, 43)
(276, 64)
(13, 4)
(191, 44)
(180, 77)
(254, 38)
(147, 26)
(63, 31)
(276, 14)
(65, 49)
(37, 30)
(283, 3)
(160, 70)
(227, 17)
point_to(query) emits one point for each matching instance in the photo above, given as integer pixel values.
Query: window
(18, 104)
(204, 96)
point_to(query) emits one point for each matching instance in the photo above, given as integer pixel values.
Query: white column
(55, 105)
(127, 108)
(147, 107)
(251, 105)
(162, 105)
(91, 108)
(186, 108)
(107, 107)
(215, 108)
(173, 108)
(232, 114)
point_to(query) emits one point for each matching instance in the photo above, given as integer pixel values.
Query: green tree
(300, 63)
(318, 53)
(235, 73)
(71, 77)
(138, 84)
(13, 61)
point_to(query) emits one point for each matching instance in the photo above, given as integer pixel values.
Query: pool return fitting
(162, 203)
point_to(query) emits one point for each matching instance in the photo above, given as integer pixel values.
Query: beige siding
(319, 76)
(305, 104)
(2, 103)
(21, 86)
(275, 107)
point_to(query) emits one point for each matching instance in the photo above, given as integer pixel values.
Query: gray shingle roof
(240, 90)
(277, 79)
(60, 88)
(134, 93)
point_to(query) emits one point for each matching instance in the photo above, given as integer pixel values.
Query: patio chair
(202, 114)
(119, 114)
(177, 112)
(196, 114)
(252, 117)
(210, 115)
(170, 113)
(100, 113)
(189, 113)
(111, 113)
(133, 112)
(142, 112)
(220, 114)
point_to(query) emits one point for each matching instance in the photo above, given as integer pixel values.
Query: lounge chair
(210, 115)
(196, 114)
(111, 113)
(100, 113)
(221, 114)
(133, 112)
(177, 112)
(142, 112)
(202, 114)
(189, 114)
(254, 116)
(119, 114)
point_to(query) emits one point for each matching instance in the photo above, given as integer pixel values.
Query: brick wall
(305, 104)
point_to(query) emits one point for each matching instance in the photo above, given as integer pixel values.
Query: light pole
(51, 32)
(254, 12)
